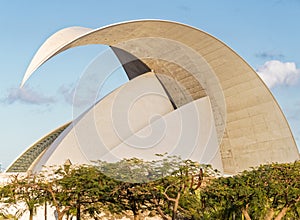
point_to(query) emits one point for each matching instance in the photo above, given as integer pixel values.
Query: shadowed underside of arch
(251, 127)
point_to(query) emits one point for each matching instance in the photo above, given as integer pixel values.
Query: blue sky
(265, 33)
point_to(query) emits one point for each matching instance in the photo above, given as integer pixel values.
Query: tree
(281, 184)
(23, 189)
(55, 181)
(182, 187)
(91, 190)
(131, 191)
(164, 185)
(267, 192)
(77, 189)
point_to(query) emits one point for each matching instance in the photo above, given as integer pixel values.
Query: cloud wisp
(67, 91)
(85, 97)
(27, 95)
(269, 55)
(275, 73)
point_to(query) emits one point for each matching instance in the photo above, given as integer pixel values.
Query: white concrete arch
(256, 130)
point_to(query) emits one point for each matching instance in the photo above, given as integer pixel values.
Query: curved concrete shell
(26, 161)
(104, 133)
(251, 128)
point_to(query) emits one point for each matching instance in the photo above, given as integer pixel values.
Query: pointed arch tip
(61, 40)
(52, 46)
(22, 84)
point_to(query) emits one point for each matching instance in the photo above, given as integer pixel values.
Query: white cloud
(26, 95)
(275, 73)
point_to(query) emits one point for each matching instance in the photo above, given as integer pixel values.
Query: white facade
(187, 65)
(138, 120)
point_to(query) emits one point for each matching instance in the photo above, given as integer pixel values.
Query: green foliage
(23, 189)
(270, 191)
(134, 177)
(77, 189)
(169, 186)
(135, 170)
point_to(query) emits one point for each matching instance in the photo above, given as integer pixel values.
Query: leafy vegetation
(269, 192)
(169, 187)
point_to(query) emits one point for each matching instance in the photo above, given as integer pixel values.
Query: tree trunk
(161, 213)
(45, 210)
(135, 210)
(246, 214)
(60, 217)
(174, 214)
(175, 207)
(136, 216)
(159, 209)
(282, 213)
(30, 214)
(269, 215)
(78, 211)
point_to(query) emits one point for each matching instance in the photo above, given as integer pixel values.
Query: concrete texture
(251, 128)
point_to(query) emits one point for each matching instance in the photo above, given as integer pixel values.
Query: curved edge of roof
(62, 128)
(64, 47)
(36, 62)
